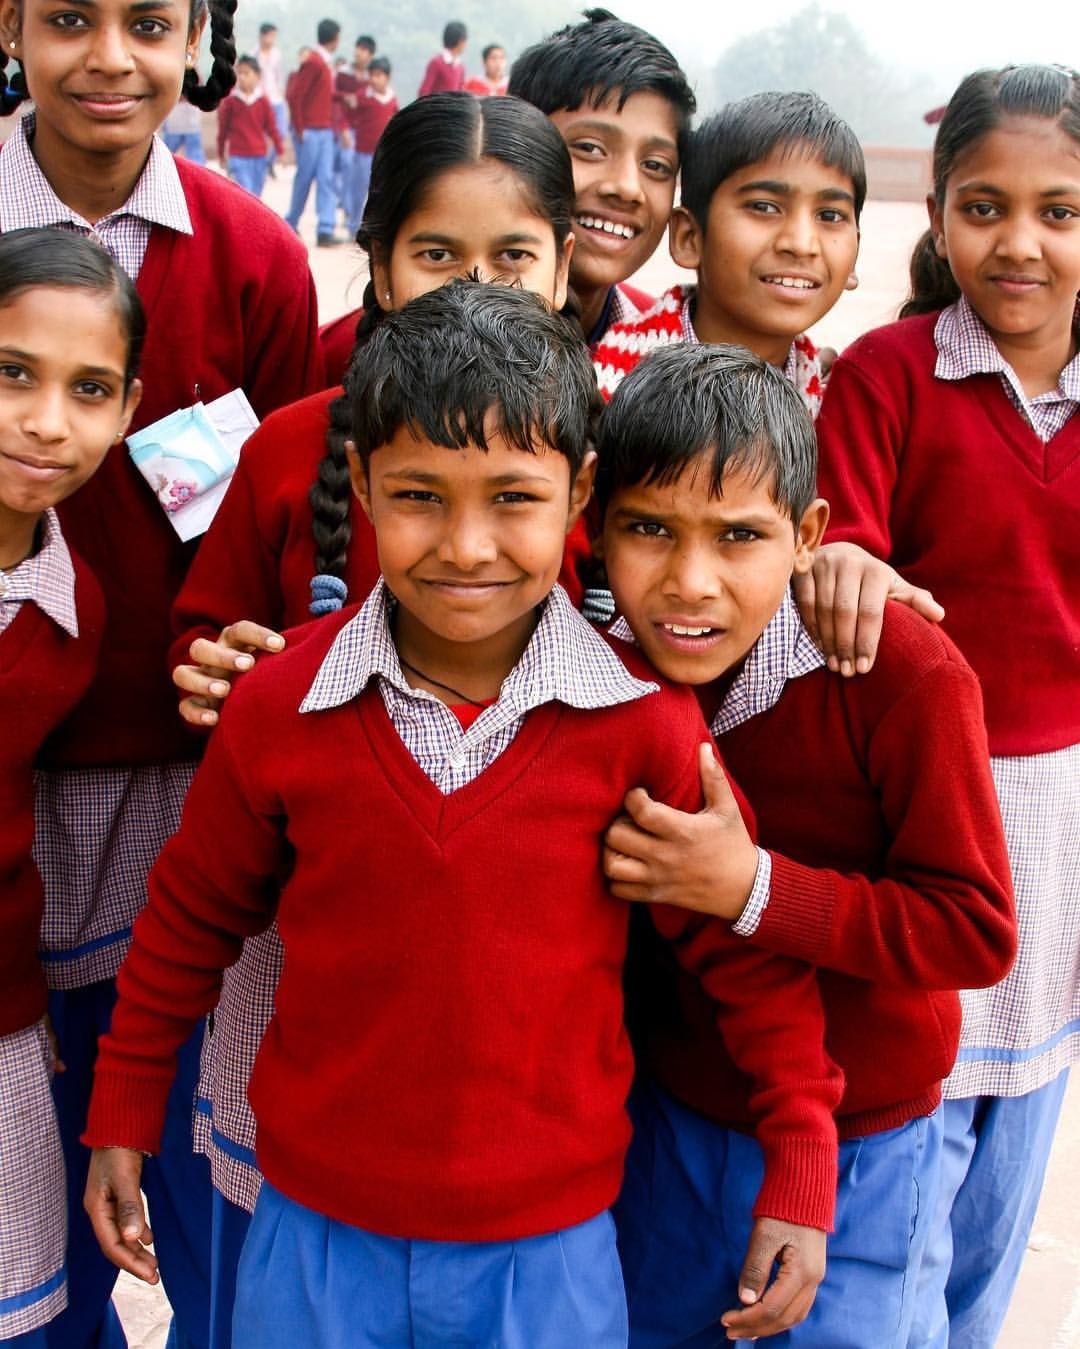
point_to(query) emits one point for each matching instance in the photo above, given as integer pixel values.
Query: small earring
(190, 60)
(388, 295)
(11, 45)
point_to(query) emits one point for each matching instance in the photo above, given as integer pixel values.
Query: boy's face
(380, 80)
(62, 396)
(469, 541)
(495, 64)
(625, 166)
(247, 79)
(361, 58)
(698, 577)
(779, 249)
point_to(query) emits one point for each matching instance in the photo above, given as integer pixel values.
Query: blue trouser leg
(33, 1339)
(176, 1182)
(307, 158)
(79, 1016)
(281, 116)
(229, 1230)
(995, 1158)
(685, 1217)
(361, 181)
(325, 192)
(249, 172)
(305, 1279)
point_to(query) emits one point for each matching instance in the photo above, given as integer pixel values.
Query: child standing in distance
(972, 398)
(469, 709)
(71, 327)
(623, 107)
(772, 190)
(272, 81)
(376, 103)
(493, 81)
(229, 302)
(459, 186)
(886, 865)
(310, 94)
(445, 73)
(245, 126)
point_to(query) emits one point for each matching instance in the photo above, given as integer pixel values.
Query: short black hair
(598, 59)
(443, 363)
(454, 32)
(366, 41)
(491, 47)
(749, 130)
(246, 60)
(265, 28)
(378, 63)
(720, 406)
(327, 31)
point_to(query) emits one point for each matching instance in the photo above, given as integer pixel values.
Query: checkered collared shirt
(966, 348)
(46, 579)
(782, 652)
(686, 318)
(565, 661)
(27, 201)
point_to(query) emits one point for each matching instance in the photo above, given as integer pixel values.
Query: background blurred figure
(445, 72)
(246, 123)
(272, 76)
(493, 80)
(182, 130)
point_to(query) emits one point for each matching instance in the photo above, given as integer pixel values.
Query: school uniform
(933, 457)
(671, 319)
(397, 1131)
(245, 127)
(114, 775)
(889, 874)
(368, 120)
(445, 74)
(272, 84)
(51, 619)
(310, 94)
(482, 87)
(622, 304)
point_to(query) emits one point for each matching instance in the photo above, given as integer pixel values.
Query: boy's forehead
(790, 162)
(644, 115)
(746, 486)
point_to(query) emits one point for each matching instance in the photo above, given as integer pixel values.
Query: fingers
(715, 788)
(804, 588)
(922, 601)
(215, 664)
(114, 1206)
(850, 590)
(770, 1308)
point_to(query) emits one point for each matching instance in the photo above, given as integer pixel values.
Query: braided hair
(421, 142)
(205, 97)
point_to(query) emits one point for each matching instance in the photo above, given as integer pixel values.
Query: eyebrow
(94, 371)
(990, 190)
(782, 189)
(419, 475)
(139, 7)
(504, 241)
(751, 521)
(608, 129)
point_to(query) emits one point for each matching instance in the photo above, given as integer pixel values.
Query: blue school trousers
(176, 1183)
(993, 1167)
(315, 164)
(249, 172)
(308, 1280)
(228, 1233)
(685, 1214)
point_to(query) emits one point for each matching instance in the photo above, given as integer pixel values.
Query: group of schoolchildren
(708, 970)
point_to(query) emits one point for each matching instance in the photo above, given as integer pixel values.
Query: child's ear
(11, 29)
(937, 225)
(562, 272)
(358, 477)
(686, 241)
(809, 534)
(132, 399)
(581, 489)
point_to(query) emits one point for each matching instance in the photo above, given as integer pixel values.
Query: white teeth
(791, 282)
(592, 222)
(680, 631)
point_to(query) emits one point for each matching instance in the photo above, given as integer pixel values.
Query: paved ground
(1046, 1309)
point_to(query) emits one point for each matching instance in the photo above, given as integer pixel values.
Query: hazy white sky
(946, 38)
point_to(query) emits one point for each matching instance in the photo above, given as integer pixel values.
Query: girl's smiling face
(63, 400)
(476, 219)
(103, 74)
(1009, 228)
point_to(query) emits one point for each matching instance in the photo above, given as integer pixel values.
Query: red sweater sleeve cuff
(127, 1111)
(798, 917)
(800, 1182)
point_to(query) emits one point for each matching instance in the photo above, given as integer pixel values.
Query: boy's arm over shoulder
(940, 916)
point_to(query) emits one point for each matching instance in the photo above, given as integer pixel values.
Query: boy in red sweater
(246, 123)
(772, 190)
(375, 104)
(440, 1094)
(623, 106)
(445, 73)
(71, 328)
(886, 864)
(310, 95)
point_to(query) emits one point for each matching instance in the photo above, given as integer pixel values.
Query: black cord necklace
(462, 697)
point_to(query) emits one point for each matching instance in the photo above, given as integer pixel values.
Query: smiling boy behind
(772, 190)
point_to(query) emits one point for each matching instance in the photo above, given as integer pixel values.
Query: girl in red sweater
(950, 446)
(459, 185)
(229, 303)
(71, 327)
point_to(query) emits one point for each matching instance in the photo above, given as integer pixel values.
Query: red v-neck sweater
(258, 557)
(875, 799)
(43, 673)
(447, 1059)
(231, 305)
(947, 481)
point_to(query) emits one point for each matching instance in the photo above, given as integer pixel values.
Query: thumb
(715, 788)
(915, 597)
(756, 1268)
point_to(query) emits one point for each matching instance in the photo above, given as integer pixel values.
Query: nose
(46, 419)
(1018, 239)
(467, 541)
(798, 234)
(623, 177)
(110, 50)
(692, 575)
